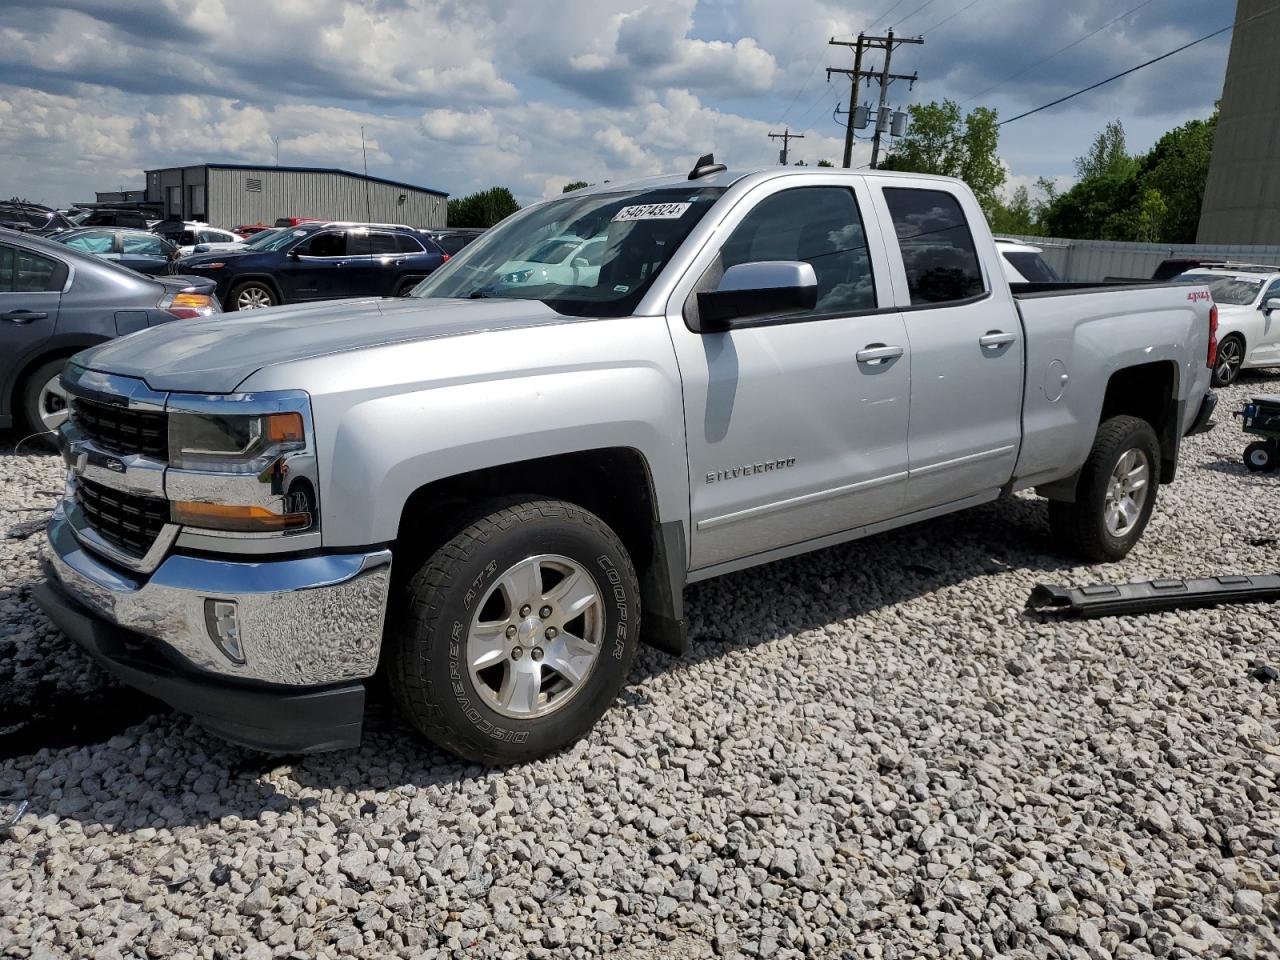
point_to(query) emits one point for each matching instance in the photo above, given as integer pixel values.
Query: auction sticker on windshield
(652, 211)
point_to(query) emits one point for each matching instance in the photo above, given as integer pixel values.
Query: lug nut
(511, 632)
(544, 612)
(517, 653)
(537, 653)
(524, 611)
(551, 633)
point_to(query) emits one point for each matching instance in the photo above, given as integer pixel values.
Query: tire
(42, 405)
(251, 295)
(475, 586)
(1088, 528)
(1259, 457)
(1231, 353)
(406, 286)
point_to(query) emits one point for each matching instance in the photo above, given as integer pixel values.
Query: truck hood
(215, 355)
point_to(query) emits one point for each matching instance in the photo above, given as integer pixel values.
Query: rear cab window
(938, 252)
(1031, 266)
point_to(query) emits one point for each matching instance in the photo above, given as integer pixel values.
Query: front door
(316, 268)
(30, 292)
(966, 351)
(796, 425)
(1267, 350)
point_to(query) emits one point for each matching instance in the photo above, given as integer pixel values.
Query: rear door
(145, 252)
(797, 424)
(372, 264)
(30, 293)
(966, 345)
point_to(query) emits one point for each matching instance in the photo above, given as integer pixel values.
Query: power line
(804, 86)
(950, 17)
(902, 20)
(1046, 59)
(885, 14)
(1125, 73)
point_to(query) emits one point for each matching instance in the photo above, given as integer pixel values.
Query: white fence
(1099, 259)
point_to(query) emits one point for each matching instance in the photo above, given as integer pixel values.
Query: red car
(247, 230)
(295, 221)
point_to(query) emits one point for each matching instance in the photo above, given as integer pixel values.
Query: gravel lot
(870, 752)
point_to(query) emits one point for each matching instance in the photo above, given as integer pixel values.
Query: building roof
(345, 173)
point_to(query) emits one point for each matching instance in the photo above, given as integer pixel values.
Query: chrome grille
(122, 430)
(128, 522)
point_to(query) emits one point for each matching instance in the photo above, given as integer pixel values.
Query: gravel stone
(869, 752)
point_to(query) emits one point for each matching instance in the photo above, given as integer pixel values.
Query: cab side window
(937, 247)
(325, 245)
(820, 226)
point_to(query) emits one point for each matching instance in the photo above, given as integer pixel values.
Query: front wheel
(512, 640)
(252, 296)
(1260, 457)
(1230, 359)
(1115, 494)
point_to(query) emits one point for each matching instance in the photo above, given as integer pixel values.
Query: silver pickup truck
(491, 491)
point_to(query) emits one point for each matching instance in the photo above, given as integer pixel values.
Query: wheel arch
(55, 348)
(614, 483)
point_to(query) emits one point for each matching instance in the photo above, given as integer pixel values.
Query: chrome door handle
(22, 316)
(878, 353)
(996, 338)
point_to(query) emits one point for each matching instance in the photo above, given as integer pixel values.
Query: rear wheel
(1115, 494)
(253, 295)
(515, 636)
(1230, 360)
(43, 402)
(1260, 457)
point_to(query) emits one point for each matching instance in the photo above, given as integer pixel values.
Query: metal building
(228, 194)
(1242, 196)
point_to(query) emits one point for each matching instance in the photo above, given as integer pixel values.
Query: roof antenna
(705, 166)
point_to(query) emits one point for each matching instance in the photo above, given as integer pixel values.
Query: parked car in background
(111, 217)
(454, 239)
(135, 249)
(1248, 299)
(188, 234)
(320, 261)
(1023, 263)
(56, 300)
(568, 260)
(210, 238)
(296, 221)
(32, 217)
(247, 230)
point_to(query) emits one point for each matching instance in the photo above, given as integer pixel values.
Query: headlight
(518, 276)
(232, 444)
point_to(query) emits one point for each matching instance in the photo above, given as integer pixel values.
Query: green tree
(1018, 216)
(483, 208)
(942, 141)
(825, 163)
(1178, 168)
(575, 185)
(1108, 156)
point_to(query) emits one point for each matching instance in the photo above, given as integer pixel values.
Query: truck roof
(727, 178)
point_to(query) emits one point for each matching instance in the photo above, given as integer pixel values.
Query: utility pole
(855, 75)
(882, 76)
(786, 137)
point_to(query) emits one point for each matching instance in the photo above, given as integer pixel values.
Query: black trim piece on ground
(1112, 599)
(266, 717)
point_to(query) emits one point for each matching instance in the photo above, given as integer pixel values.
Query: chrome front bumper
(303, 621)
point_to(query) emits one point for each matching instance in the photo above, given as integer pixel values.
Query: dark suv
(320, 261)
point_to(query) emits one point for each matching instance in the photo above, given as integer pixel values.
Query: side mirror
(1272, 303)
(201, 248)
(580, 263)
(294, 255)
(752, 290)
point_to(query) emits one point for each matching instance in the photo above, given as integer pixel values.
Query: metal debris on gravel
(870, 752)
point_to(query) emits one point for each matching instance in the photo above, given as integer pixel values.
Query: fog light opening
(223, 623)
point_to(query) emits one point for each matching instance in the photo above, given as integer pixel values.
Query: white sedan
(204, 239)
(1248, 299)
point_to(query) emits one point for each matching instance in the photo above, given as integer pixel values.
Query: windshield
(1232, 291)
(263, 237)
(543, 252)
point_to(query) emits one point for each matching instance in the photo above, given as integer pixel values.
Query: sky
(460, 95)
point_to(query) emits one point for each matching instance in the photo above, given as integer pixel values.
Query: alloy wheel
(1230, 359)
(536, 636)
(253, 298)
(51, 407)
(1127, 492)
